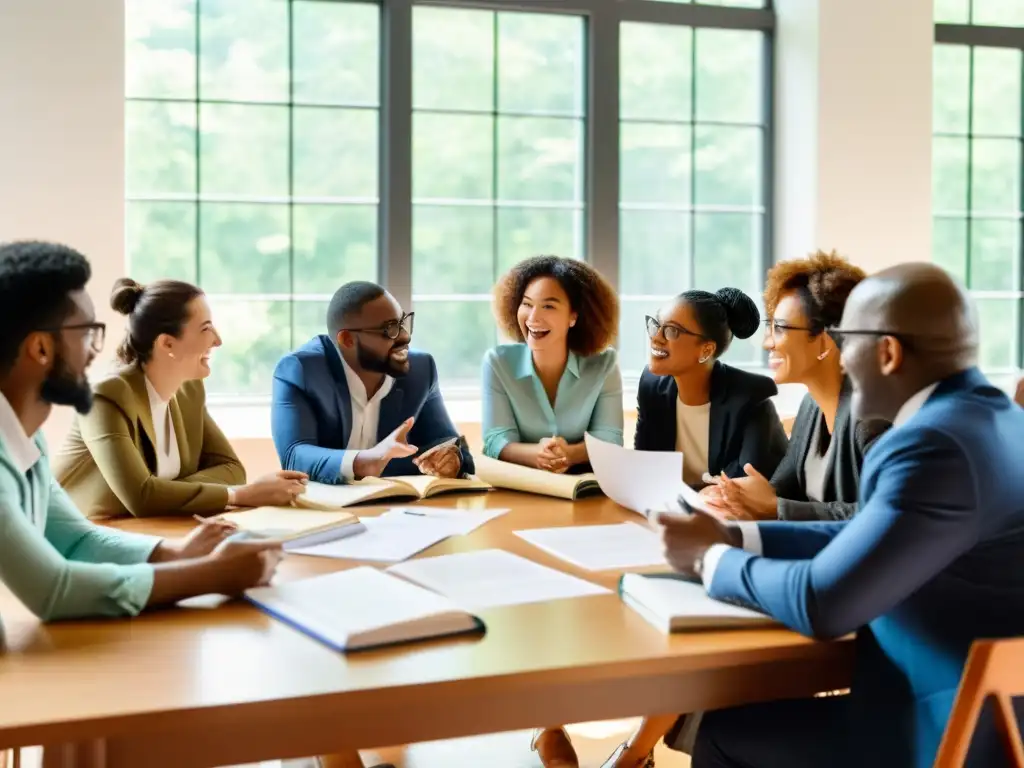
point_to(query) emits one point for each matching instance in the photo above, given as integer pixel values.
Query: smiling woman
(560, 378)
(148, 446)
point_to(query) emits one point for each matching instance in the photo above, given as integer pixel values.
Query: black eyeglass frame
(392, 329)
(97, 332)
(654, 328)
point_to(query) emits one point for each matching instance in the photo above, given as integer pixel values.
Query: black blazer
(744, 426)
(842, 477)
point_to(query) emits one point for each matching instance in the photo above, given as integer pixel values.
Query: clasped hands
(743, 498)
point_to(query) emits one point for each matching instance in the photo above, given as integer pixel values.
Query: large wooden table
(215, 684)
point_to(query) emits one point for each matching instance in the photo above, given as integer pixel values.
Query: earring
(170, 355)
(42, 359)
(703, 359)
(823, 355)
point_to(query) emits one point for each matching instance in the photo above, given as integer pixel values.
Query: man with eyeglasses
(56, 562)
(929, 564)
(357, 402)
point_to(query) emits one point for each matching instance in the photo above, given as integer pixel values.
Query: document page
(493, 577)
(642, 481)
(600, 547)
(461, 521)
(386, 539)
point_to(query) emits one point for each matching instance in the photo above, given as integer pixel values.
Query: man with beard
(929, 564)
(358, 403)
(55, 561)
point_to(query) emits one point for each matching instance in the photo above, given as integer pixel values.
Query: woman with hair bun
(721, 418)
(149, 446)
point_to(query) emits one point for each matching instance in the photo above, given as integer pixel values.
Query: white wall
(853, 167)
(854, 124)
(62, 135)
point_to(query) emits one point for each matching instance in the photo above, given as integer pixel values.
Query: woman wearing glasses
(819, 477)
(560, 378)
(148, 445)
(719, 417)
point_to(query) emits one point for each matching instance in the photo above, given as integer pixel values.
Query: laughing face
(794, 350)
(677, 345)
(375, 349)
(545, 315)
(191, 351)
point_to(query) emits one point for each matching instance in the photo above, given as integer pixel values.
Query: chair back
(994, 668)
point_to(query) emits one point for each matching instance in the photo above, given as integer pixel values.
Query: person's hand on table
(553, 454)
(278, 489)
(687, 538)
(198, 542)
(443, 460)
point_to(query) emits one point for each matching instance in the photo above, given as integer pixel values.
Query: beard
(369, 361)
(62, 387)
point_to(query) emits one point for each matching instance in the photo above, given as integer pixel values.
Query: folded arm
(105, 431)
(921, 515)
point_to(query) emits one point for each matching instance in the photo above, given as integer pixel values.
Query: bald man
(932, 561)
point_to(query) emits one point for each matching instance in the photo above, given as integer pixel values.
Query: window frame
(973, 37)
(601, 152)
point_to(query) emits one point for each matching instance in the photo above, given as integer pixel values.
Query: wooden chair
(994, 668)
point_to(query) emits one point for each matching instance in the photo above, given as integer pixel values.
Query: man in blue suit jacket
(931, 562)
(358, 403)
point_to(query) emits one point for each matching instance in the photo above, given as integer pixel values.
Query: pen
(410, 512)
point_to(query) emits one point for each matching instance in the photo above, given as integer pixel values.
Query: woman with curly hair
(560, 378)
(721, 418)
(819, 477)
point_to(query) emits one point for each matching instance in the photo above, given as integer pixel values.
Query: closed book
(363, 608)
(516, 477)
(295, 527)
(674, 603)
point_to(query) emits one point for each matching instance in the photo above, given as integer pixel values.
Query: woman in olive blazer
(148, 446)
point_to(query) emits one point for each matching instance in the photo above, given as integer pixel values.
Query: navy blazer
(931, 563)
(311, 412)
(744, 425)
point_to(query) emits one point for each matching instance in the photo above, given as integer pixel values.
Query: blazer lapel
(184, 455)
(137, 380)
(719, 422)
(342, 396)
(391, 414)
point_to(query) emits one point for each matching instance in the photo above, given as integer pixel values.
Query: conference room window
(252, 141)
(692, 207)
(978, 167)
(497, 165)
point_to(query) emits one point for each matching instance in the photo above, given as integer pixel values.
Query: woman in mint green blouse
(561, 379)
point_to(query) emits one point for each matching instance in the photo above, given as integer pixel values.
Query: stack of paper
(600, 547)
(493, 577)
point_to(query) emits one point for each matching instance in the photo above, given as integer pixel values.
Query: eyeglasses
(95, 333)
(392, 329)
(671, 332)
(839, 335)
(775, 327)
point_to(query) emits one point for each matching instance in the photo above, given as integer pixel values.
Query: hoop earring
(823, 355)
(702, 359)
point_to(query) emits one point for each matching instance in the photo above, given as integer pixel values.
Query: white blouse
(168, 459)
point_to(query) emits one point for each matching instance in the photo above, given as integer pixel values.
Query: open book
(673, 603)
(330, 497)
(296, 527)
(515, 477)
(363, 608)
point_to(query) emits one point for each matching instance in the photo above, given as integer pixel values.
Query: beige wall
(853, 136)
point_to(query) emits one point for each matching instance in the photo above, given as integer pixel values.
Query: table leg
(87, 754)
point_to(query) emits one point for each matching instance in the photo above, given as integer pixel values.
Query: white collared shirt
(365, 417)
(168, 459)
(23, 452)
(749, 530)
(22, 449)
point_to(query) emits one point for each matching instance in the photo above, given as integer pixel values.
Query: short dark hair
(347, 301)
(154, 309)
(723, 314)
(591, 297)
(823, 281)
(36, 280)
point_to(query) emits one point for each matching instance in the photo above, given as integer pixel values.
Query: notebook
(673, 603)
(515, 477)
(333, 497)
(295, 527)
(363, 608)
